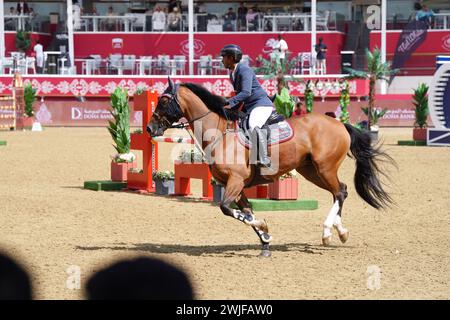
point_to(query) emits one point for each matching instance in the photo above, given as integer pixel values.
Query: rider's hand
(227, 106)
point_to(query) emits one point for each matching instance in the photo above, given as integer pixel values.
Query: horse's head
(168, 111)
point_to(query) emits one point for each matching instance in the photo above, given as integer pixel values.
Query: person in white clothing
(76, 9)
(281, 48)
(39, 52)
(158, 19)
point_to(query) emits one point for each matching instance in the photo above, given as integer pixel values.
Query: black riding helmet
(232, 50)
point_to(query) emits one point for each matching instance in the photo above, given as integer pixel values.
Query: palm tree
(376, 70)
(277, 67)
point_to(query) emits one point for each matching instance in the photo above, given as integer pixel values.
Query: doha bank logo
(446, 42)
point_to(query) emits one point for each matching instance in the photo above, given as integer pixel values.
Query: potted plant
(119, 129)
(376, 115)
(376, 70)
(421, 112)
(29, 97)
(23, 41)
(218, 190)
(285, 188)
(164, 182)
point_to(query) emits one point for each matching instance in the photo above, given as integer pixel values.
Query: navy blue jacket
(248, 90)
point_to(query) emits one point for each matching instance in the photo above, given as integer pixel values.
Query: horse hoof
(265, 254)
(343, 237)
(326, 241)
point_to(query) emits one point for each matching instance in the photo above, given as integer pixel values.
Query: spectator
(321, 57)
(297, 24)
(22, 8)
(111, 23)
(229, 20)
(283, 102)
(174, 20)
(158, 19)
(242, 17)
(200, 8)
(140, 279)
(76, 9)
(15, 282)
(425, 15)
(251, 20)
(172, 4)
(9, 22)
(298, 110)
(281, 48)
(39, 53)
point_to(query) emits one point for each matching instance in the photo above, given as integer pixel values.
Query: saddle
(278, 130)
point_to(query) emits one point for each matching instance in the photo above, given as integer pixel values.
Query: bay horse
(318, 147)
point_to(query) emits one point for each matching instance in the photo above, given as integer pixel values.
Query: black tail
(367, 182)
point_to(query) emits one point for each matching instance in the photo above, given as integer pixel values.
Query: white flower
(124, 157)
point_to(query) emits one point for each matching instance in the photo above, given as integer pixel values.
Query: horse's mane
(213, 102)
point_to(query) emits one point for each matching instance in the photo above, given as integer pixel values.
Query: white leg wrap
(328, 224)
(338, 225)
(246, 218)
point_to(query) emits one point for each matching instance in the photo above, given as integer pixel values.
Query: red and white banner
(59, 111)
(95, 86)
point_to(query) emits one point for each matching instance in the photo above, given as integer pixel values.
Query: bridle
(174, 106)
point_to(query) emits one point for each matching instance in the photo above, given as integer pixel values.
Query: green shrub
(120, 127)
(421, 106)
(30, 97)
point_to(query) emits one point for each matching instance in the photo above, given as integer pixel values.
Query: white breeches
(259, 116)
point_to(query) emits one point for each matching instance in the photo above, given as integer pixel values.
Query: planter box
(257, 192)
(119, 170)
(184, 172)
(286, 189)
(165, 187)
(420, 134)
(218, 192)
(374, 136)
(24, 123)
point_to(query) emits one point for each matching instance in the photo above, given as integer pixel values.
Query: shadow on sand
(214, 250)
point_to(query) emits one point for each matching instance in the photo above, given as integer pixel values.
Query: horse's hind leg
(342, 232)
(326, 178)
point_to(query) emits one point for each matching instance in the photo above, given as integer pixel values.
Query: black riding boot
(263, 158)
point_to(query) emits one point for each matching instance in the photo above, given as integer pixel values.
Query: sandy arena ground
(50, 222)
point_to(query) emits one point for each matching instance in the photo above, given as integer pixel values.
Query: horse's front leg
(233, 191)
(259, 226)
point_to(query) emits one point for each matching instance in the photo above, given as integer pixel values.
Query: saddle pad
(279, 132)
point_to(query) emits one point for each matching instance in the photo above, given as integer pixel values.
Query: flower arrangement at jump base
(190, 156)
(119, 129)
(285, 188)
(164, 182)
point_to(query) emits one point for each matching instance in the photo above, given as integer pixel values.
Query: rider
(249, 92)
